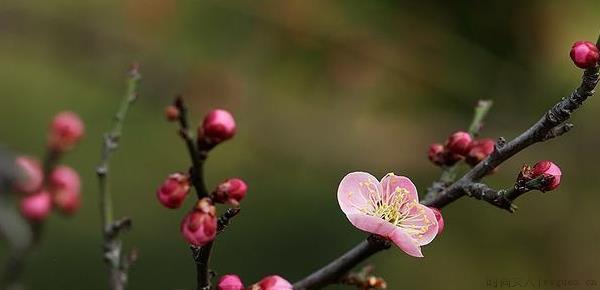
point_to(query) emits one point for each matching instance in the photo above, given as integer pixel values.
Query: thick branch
(556, 116)
(335, 270)
(111, 229)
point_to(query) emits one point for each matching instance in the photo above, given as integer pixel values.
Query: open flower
(389, 208)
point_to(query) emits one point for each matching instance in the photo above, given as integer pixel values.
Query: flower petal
(406, 243)
(390, 182)
(356, 192)
(422, 217)
(372, 224)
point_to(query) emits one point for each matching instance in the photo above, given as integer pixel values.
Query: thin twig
(556, 116)
(111, 229)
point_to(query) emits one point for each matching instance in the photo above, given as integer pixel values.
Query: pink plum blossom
(389, 208)
(439, 218)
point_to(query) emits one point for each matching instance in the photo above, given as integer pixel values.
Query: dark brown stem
(335, 270)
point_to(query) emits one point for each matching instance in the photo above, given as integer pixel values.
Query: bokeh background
(319, 89)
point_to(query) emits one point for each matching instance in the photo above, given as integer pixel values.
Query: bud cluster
(199, 226)
(460, 146)
(61, 187)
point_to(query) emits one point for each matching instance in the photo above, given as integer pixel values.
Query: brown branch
(112, 248)
(539, 132)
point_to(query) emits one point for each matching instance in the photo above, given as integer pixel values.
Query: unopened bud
(65, 186)
(230, 282)
(218, 126)
(65, 131)
(585, 54)
(231, 191)
(174, 190)
(543, 168)
(36, 207)
(273, 282)
(199, 227)
(459, 143)
(480, 149)
(171, 113)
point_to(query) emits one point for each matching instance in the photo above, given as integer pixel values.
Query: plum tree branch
(197, 155)
(550, 125)
(112, 248)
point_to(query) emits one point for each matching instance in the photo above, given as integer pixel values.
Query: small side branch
(225, 219)
(112, 248)
(552, 124)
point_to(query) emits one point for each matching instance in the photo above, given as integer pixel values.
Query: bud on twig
(585, 54)
(231, 191)
(459, 143)
(199, 227)
(543, 176)
(174, 190)
(230, 282)
(36, 207)
(65, 131)
(171, 113)
(218, 126)
(479, 150)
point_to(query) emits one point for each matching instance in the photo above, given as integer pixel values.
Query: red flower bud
(171, 113)
(31, 175)
(585, 54)
(231, 191)
(65, 187)
(230, 282)
(436, 154)
(549, 169)
(459, 143)
(439, 218)
(273, 282)
(36, 207)
(200, 226)
(173, 191)
(480, 149)
(65, 131)
(218, 126)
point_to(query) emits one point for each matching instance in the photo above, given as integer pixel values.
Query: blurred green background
(319, 89)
